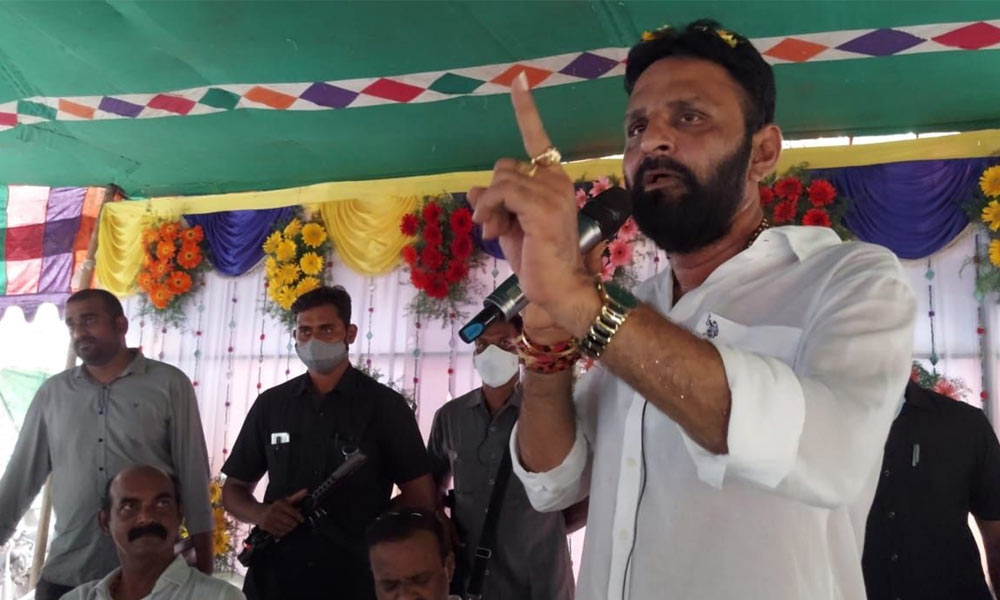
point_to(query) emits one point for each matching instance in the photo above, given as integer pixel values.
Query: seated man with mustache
(142, 514)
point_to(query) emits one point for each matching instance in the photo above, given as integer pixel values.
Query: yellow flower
(991, 215)
(990, 181)
(270, 267)
(311, 263)
(285, 251)
(995, 253)
(727, 37)
(648, 36)
(214, 493)
(220, 542)
(283, 296)
(313, 235)
(293, 228)
(307, 284)
(184, 533)
(272, 242)
(287, 274)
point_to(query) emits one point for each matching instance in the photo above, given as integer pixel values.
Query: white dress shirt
(178, 582)
(816, 339)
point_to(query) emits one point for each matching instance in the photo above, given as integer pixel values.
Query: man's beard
(97, 352)
(702, 213)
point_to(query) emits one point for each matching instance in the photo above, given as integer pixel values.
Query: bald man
(142, 514)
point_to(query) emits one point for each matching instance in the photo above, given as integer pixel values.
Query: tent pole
(45, 514)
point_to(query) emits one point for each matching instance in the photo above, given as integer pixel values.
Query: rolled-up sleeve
(29, 465)
(190, 456)
(812, 431)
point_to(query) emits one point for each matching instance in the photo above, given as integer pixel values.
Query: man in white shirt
(142, 514)
(730, 433)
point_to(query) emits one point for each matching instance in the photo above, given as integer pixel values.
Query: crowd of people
(727, 441)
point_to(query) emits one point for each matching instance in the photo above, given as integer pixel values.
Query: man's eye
(691, 118)
(636, 128)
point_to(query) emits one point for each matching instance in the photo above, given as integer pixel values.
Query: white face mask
(495, 366)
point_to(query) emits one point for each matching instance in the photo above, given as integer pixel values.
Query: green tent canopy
(188, 98)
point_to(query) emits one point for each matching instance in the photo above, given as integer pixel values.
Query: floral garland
(984, 207)
(440, 257)
(953, 387)
(797, 198)
(172, 263)
(618, 261)
(225, 531)
(294, 264)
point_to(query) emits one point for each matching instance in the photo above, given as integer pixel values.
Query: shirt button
(630, 462)
(100, 468)
(100, 439)
(492, 481)
(493, 428)
(894, 557)
(885, 473)
(892, 514)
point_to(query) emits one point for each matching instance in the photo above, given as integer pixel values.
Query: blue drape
(235, 237)
(913, 208)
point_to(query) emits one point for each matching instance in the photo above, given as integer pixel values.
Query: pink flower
(581, 198)
(628, 230)
(946, 388)
(621, 253)
(608, 271)
(599, 186)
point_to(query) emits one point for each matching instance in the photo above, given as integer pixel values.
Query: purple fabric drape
(235, 237)
(913, 208)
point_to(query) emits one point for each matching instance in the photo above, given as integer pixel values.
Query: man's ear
(449, 565)
(352, 333)
(104, 522)
(765, 152)
(121, 324)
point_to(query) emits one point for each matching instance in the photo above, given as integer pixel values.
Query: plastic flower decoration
(314, 234)
(995, 253)
(294, 264)
(989, 182)
(991, 215)
(171, 262)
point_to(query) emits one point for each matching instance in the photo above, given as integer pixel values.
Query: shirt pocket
(777, 341)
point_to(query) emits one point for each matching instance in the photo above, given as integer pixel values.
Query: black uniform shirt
(298, 438)
(942, 462)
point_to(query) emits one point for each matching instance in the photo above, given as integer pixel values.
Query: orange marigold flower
(165, 250)
(160, 296)
(145, 281)
(189, 256)
(160, 269)
(179, 282)
(192, 235)
(169, 230)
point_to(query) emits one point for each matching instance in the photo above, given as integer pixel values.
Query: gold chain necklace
(764, 224)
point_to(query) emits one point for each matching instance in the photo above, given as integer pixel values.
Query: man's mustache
(664, 163)
(150, 529)
(86, 340)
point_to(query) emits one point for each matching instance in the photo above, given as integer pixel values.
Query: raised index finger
(529, 121)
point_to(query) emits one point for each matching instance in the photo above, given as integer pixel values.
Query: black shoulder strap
(487, 539)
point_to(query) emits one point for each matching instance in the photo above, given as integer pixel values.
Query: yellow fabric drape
(363, 216)
(366, 235)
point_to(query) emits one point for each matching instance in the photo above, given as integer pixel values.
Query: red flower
(789, 188)
(946, 388)
(409, 225)
(165, 250)
(418, 278)
(431, 257)
(431, 213)
(821, 193)
(432, 234)
(437, 287)
(179, 282)
(620, 252)
(169, 230)
(461, 221)
(192, 235)
(189, 257)
(409, 254)
(785, 211)
(766, 196)
(628, 230)
(816, 216)
(456, 271)
(461, 247)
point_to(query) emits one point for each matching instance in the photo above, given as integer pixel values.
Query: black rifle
(310, 508)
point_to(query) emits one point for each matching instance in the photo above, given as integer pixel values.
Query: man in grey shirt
(88, 423)
(468, 439)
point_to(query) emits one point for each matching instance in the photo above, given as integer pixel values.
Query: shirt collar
(476, 398)
(918, 396)
(347, 384)
(138, 365)
(177, 573)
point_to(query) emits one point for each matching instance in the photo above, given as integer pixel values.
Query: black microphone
(599, 220)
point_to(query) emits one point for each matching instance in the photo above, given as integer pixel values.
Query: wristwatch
(616, 304)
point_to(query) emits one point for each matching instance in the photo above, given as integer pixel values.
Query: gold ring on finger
(549, 157)
(528, 168)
